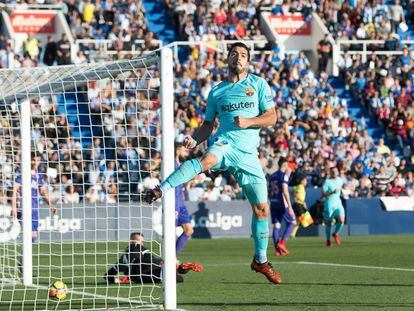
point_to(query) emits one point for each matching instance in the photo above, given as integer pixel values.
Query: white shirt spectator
(70, 196)
(195, 194)
(211, 194)
(93, 194)
(189, 8)
(80, 59)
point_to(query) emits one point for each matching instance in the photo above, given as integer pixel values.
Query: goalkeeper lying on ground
(139, 265)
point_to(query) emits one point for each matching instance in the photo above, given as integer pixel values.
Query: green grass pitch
(364, 273)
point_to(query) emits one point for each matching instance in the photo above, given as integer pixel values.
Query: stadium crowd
(372, 19)
(384, 86)
(314, 130)
(114, 27)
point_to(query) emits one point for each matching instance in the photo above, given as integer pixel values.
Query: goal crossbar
(27, 83)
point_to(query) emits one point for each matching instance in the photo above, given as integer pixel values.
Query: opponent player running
(332, 188)
(243, 105)
(281, 207)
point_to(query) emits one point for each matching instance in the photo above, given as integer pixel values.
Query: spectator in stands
(321, 136)
(71, 196)
(382, 148)
(397, 15)
(63, 51)
(31, 47)
(400, 133)
(50, 52)
(7, 58)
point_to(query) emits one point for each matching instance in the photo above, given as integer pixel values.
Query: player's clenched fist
(241, 122)
(189, 142)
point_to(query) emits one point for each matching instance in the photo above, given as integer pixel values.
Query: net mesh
(95, 143)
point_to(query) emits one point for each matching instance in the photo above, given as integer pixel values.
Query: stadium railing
(30, 6)
(363, 49)
(107, 44)
(218, 45)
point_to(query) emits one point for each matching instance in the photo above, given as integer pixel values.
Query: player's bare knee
(188, 230)
(208, 161)
(277, 225)
(261, 210)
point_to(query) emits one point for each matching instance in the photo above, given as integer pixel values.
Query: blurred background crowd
(314, 131)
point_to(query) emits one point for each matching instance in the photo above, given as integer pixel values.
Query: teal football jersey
(334, 200)
(247, 98)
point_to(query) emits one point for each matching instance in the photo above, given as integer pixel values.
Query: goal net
(87, 140)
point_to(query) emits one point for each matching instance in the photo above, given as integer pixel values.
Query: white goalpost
(88, 140)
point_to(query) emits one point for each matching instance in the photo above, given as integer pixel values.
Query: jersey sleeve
(211, 110)
(265, 96)
(285, 179)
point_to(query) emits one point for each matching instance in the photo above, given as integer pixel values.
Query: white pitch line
(352, 266)
(316, 264)
(80, 293)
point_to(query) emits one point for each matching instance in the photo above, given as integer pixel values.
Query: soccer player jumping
(243, 104)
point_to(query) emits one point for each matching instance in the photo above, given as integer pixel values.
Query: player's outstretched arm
(267, 118)
(202, 133)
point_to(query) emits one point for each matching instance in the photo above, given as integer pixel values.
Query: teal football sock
(260, 232)
(338, 227)
(187, 171)
(328, 231)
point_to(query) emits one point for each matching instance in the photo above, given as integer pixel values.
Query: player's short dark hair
(241, 44)
(134, 234)
(282, 161)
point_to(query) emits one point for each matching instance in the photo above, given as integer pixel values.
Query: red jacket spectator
(400, 129)
(220, 16)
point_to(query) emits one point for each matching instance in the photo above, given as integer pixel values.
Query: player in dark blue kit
(38, 186)
(281, 207)
(182, 219)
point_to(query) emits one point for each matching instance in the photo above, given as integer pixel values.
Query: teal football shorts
(331, 213)
(245, 167)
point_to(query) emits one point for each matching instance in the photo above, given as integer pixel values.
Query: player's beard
(236, 70)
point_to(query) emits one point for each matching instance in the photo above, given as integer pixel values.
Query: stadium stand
(319, 118)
